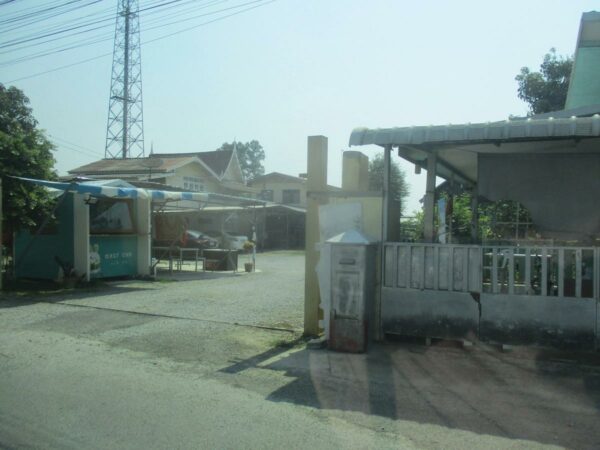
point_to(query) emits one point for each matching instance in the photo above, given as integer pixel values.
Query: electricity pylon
(125, 127)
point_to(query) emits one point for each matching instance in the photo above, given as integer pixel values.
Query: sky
(289, 69)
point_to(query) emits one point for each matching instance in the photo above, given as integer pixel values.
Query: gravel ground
(190, 364)
(272, 297)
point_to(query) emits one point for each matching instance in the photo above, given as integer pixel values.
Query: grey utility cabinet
(353, 260)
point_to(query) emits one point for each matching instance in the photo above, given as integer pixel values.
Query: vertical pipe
(494, 270)
(561, 272)
(578, 273)
(465, 279)
(544, 271)
(395, 265)
(409, 266)
(511, 271)
(424, 267)
(436, 268)
(528, 271)
(450, 268)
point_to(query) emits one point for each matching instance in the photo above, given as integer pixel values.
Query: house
(217, 171)
(281, 188)
(543, 290)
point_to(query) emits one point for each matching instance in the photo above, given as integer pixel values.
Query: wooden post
(316, 182)
(429, 219)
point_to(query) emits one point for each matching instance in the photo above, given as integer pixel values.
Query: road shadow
(480, 390)
(166, 276)
(58, 295)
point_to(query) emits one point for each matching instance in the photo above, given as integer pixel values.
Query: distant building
(281, 188)
(217, 171)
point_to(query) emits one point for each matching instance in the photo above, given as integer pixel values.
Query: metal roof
(509, 130)
(457, 146)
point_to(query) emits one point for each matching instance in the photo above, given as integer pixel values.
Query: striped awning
(96, 190)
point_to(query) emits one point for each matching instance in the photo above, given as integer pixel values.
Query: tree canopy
(251, 156)
(398, 186)
(24, 151)
(546, 90)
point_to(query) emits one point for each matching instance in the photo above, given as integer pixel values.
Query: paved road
(168, 365)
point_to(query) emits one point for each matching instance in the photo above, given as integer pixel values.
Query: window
(193, 184)
(109, 216)
(291, 196)
(266, 194)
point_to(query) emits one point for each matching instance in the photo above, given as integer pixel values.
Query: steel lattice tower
(125, 128)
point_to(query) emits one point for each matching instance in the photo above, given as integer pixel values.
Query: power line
(255, 6)
(73, 144)
(90, 41)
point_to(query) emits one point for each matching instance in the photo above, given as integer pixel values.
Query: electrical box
(353, 260)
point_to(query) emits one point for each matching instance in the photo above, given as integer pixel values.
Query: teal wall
(39, 260)
(113, 255)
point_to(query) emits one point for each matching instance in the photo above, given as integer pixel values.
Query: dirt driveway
(216, 362)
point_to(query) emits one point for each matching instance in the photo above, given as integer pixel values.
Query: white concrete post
(143, 213)
(81, 236)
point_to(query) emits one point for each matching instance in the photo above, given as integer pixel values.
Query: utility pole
(125, 126)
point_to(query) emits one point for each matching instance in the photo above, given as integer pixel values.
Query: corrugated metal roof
(518, 130)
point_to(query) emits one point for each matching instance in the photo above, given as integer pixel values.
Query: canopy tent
(96, 189)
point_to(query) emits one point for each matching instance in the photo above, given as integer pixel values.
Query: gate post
(316, 186)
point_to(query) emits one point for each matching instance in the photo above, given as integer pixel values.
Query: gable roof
(216, 162)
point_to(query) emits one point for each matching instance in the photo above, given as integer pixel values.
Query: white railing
(545, 271)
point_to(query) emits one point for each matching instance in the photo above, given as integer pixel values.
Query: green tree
(546, 90)
(251, 156)
(24, 151)
(398, 186)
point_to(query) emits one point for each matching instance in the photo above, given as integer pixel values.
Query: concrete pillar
(143, 213)
(429, 216)
(316, 182)
(355, 172)
(387, 199)
(81, 235)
